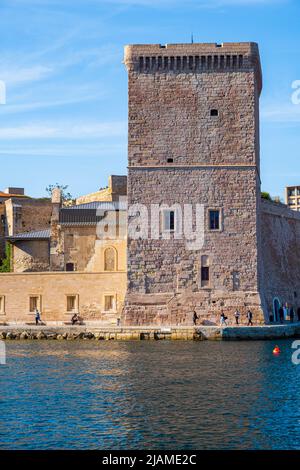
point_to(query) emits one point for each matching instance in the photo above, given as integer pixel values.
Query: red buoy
(276, 350)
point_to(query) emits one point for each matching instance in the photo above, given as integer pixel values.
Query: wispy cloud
(281, 113)
(18, 75)
(65, 130)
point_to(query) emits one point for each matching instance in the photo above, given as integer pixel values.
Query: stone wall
(117, 186)
(2, 230)
(30, 255)
(280, 255)
(181, 153)
(26, 215)
(53, 289)
(86, 252)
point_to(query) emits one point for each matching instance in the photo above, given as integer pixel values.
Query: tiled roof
(101, 205)
(34, 235)
(7, 195)
(90, 213)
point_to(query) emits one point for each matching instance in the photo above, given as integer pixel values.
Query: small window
(170, 160)
(205, 274)
(2, 304)
(214, 112)
(70, 267)
(169, 221)
(214, 220)
(72, 303)
(109, 303)
(34, 303)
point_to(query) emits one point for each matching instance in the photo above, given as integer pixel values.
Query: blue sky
(65, 119)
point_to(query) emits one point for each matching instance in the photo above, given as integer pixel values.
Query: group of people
(237, 316)
(223, 318)
(287, 312)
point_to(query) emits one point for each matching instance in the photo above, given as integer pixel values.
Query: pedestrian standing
(223, 319)
(292, 314)
(195, 318)
(249, 317)
(281, 314)
(237, 317)
(37, 317)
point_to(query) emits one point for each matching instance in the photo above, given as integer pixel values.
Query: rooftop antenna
(192, 39)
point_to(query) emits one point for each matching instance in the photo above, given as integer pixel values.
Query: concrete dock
(100, 332)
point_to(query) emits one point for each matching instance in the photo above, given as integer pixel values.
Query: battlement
(194, 58)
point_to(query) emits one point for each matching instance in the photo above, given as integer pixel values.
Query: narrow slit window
(169, 221)
(214, 220)
(205, 271)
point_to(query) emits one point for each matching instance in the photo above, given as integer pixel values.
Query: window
(2, 304)
(72, 303)
(34, 303)
(110, 259)
(214, 219)
(214, 112)
(205, 274)
(109, 303)
(168, 220)
(170, 160)
(70, 267)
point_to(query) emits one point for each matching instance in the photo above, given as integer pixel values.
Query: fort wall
(52, 290)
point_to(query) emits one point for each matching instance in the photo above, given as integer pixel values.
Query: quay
(135, 333)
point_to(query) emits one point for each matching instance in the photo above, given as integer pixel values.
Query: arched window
(110, 259)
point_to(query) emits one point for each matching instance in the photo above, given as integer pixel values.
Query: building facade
(292, 197)
(194, 139)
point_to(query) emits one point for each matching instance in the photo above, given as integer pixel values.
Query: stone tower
(193, 140)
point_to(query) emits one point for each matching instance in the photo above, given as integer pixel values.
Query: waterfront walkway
(98, 331)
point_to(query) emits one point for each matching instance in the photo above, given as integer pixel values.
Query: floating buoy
(276, 350)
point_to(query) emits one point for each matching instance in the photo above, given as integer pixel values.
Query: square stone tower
(193, 141)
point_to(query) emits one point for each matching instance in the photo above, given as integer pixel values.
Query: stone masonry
(194, 138)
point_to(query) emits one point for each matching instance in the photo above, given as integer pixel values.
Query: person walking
(237, 317)
(37, 317)
(281, 314)
(223, 319)
(195, 318)
(249, 317)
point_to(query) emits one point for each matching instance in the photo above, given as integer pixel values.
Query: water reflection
(204, 395)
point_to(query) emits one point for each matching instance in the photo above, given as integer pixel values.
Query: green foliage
(266, 195)
(66, 196)
(5, 266)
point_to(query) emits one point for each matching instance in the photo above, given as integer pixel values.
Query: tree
(5, 262)
(65, 195)
(266, 195)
